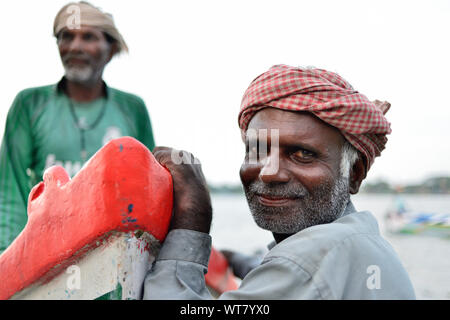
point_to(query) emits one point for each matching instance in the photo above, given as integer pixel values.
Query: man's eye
(303, 154)
(88, 37)
(65, 37)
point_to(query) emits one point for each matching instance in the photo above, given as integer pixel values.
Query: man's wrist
(203, 227)
(186, 245)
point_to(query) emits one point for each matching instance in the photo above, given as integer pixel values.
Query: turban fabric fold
(82, 13)
(326, 95)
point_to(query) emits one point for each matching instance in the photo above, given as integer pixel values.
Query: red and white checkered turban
(327, 96)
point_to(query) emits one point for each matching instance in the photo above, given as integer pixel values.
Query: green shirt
(41, 130)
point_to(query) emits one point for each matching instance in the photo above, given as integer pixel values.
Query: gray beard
(323, 205)
(79, 75)
(84, 75)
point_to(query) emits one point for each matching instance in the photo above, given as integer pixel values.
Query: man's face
(307, 189)
(84, 53)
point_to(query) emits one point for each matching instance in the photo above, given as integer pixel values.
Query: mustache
(82, 56)
(290, 190)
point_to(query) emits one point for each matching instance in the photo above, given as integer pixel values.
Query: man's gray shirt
(345, 259)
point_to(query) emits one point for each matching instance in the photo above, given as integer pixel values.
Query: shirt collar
(350, 208)
(59, 87)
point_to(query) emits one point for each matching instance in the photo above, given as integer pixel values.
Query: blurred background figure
(67, 122)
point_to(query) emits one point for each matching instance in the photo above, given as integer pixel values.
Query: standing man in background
(66, 123)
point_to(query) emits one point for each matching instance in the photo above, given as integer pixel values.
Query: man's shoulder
(28, 100)
(354, 231)
(352, 224)
(340, 256)
(127, 97)
(39, 91)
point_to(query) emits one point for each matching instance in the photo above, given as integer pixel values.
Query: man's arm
(15, 159)
(178, 274)
(179, 270)
(240, 263)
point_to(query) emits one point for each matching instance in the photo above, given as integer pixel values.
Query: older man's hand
(191, 203)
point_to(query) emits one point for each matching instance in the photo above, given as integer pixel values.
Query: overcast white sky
(191, 62)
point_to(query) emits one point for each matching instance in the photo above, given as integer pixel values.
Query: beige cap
(76, 14)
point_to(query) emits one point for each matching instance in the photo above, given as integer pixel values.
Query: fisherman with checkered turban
(310, 139)
(326, 95)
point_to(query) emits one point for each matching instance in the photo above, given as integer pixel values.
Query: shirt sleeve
(242, 264)
(15, 159)
(179, 270)
(276, 279)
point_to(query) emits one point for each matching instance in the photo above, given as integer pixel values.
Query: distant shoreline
(435, 185)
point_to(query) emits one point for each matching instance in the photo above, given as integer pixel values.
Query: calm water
(426, 258)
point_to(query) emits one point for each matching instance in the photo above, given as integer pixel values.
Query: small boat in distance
(401, 219)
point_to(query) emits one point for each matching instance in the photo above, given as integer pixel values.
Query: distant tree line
(226, 188)
(438, 185)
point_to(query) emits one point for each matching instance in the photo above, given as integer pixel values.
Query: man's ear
(114, 48)
(357, 175)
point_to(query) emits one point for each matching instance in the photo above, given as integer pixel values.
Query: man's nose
(76, 44)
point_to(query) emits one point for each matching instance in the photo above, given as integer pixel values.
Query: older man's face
(84, 53)
(298, 183)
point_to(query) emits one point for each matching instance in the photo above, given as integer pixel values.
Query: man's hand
(191, 200)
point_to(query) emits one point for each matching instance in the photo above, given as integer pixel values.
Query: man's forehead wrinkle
(297, 130)
(280, 119)
(81, 30)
